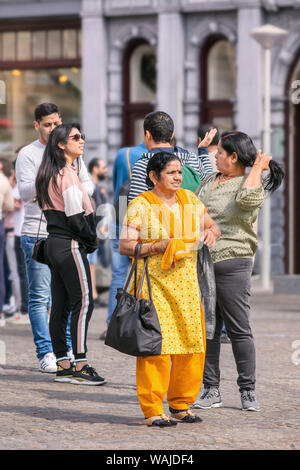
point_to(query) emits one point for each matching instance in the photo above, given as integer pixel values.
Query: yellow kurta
(175, 291)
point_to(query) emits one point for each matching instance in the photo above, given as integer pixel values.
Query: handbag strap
(142, 280)
(148, 280)
(133, 269)
(37, 237)
(145, 271)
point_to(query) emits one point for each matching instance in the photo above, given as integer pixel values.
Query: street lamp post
(267, 36)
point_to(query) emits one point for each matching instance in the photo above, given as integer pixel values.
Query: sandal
(160, 421)
(185, 416)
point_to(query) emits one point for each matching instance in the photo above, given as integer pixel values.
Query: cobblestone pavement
(37, 413)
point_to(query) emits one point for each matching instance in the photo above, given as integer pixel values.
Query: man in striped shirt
(158, 135)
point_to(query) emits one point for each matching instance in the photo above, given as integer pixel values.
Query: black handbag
(38, 251)
(134, 327)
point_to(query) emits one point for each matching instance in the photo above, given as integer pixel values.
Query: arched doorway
(218, 82)
(292, 161)
(139, 88)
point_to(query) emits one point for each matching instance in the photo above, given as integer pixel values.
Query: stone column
(249, 102)
(170, 64)
(94, 82)
(249, 75)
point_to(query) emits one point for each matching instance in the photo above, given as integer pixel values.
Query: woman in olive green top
(233, 199)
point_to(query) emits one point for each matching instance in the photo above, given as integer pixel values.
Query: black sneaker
(64, 375)
(87, 376)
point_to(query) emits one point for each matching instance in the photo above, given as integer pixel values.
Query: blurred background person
(9, 301)
(21, 317)
(98, 170)
(6, 205)
(13, 295)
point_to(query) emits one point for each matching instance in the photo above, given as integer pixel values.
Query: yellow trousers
(178, 375)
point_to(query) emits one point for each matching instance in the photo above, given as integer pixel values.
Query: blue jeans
(119, 269)
(39, 299)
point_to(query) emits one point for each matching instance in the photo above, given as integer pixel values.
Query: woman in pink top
(72, 234)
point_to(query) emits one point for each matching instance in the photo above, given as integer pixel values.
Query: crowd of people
(176, 202)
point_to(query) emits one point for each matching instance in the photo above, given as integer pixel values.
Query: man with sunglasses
(47, 117)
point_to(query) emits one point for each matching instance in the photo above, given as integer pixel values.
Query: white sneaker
(2, 319)
(9, 309)
(19, 319)
(48, 363)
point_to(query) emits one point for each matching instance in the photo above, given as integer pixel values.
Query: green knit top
(234, 209)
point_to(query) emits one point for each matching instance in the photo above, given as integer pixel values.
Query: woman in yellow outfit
(169, 222)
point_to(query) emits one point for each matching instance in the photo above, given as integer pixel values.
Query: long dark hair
(53, 162)
(242, 144)
(157, 163)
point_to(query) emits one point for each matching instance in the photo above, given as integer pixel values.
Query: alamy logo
(295, 96)
(106, 227)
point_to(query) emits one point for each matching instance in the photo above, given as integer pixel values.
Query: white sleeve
(85, 178)
(26, 172)
(73, 201)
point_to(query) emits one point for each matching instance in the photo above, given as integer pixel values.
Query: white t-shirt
(19, 213)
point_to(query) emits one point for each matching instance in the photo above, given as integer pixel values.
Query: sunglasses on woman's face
(77, 137)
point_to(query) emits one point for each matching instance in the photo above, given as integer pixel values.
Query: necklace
(222, 178)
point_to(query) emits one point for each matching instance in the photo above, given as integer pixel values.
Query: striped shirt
(201, 163)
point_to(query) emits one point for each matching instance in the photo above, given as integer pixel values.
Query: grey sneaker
(248, 400)
(210, 398)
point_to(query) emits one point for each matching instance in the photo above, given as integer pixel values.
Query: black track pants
(71, 290)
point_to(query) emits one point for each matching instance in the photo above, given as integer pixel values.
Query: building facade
(107, 63)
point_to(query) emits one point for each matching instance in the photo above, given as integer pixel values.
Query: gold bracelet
(151, 253)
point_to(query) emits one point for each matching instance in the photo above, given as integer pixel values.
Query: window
(38, 62)
(221, 71)
(25, 89)
(218, 83)
(142, 75)
(34, 45)
(139, 89)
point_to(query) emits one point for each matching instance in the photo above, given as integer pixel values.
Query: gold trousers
(178, 375)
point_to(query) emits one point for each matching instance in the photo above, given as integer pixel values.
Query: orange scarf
(179, 233)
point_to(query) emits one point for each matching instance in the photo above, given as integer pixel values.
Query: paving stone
(37, 413)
